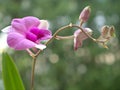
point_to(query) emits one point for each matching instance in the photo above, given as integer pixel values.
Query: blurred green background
(59, 67)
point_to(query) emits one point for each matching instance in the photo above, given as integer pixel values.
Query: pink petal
(78, 33)
(31, 21)
(44, 34)
(77, 43)
(35, 31)
(18, 42)
(22, 25)
(79, 37)
(31, 36)
(18, 26)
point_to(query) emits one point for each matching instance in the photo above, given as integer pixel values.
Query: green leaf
(11, 76)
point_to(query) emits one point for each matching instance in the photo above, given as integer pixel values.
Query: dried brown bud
(104, 31)
(112, 31)
(107, 32)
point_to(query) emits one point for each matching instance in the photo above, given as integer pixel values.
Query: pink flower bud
(84, 15)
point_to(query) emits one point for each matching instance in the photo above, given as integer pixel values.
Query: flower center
(34, 34)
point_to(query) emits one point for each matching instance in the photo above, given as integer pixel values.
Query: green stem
(81, 22)
(32, 73)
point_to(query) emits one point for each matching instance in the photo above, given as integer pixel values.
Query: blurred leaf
(11, 77)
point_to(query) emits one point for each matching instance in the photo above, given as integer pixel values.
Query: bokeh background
(59, 67)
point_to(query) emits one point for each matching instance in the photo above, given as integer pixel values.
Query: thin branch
(30, 52)
(81, 22)
(59, 30)
(64, 37)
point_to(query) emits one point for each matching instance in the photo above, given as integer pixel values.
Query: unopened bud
(84, 15)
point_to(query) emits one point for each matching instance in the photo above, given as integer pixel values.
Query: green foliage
(11, 77)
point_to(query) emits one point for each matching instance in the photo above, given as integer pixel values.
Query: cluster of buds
(106, 32)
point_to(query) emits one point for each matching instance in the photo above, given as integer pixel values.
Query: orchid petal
(19, 42)
(18, 26)
(41, 34)
(31, 36)
(77, 43)
(24, 24)
(6, 29)
(30, 21)
(80, 34)
(43, 24)
(79, 37)
(40, 46)
(44, 34)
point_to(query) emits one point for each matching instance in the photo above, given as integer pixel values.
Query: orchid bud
(84, 15)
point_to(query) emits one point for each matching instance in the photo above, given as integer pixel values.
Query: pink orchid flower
(27, 32)
(79, 37)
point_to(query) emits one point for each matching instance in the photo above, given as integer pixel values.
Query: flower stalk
(33, 72)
